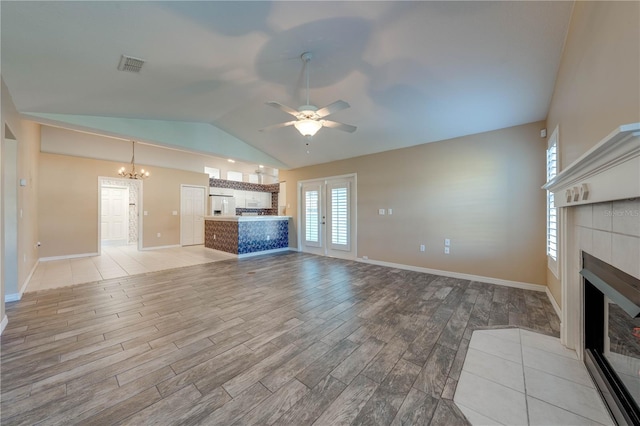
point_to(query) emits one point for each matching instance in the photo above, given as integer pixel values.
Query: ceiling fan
(310, 119)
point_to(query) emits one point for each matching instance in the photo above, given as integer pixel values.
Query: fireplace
(612, 336)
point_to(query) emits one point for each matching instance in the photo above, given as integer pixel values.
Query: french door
(327, 209)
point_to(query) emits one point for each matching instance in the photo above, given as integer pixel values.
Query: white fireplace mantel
(610, 171)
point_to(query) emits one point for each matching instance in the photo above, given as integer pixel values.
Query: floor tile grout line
(524, 380)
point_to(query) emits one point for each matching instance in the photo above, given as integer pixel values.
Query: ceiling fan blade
(279, 125)
(284, 108)
(340, 126)
(331, 108)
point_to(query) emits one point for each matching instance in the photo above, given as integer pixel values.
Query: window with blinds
(340, 216)
(552, 218)
(311, 216)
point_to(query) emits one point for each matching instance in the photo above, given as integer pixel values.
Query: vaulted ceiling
(413, 72)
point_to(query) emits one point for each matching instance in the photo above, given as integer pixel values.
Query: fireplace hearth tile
(573, 397)
(476, 418)
(546, 343)
(493, 368)
(511, 334)
(544, 414)
(570, 369)
(496, 346)
(484, 396)
(491, 399)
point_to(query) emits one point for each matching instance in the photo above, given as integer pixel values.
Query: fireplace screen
(622, 347)
(612, 336)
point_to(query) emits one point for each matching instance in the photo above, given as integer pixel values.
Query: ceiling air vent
(127, 63)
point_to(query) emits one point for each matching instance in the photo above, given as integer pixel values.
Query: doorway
(114, 215)
(10, 217)
(328, 216)
(119, 212)
(192, 212)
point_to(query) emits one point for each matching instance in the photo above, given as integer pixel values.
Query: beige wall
(27, 135)
(598, 83)
(481, 191)
(69, 203)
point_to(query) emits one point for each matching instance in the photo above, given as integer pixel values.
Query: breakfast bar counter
(247, 235)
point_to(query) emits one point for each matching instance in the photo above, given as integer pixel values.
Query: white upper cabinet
(221, 191)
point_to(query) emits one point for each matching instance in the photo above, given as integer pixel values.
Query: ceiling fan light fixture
(308, 127)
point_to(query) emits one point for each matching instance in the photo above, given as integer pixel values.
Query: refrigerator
(222, 205)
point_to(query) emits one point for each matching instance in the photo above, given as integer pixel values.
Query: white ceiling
(413, 72)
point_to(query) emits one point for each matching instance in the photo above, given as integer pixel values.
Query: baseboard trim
(259, 253)
(3, 324)
(555, 305)
(160, 247)
(67, 256)
(489, 280)
(14, 297)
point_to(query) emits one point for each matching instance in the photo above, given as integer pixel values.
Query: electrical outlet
(214, 237)
(268, 237)
(447, 242)
(422, 248)
(446, 250)
(365, 257)
(175, 213)
(390, 211)
(159, 235)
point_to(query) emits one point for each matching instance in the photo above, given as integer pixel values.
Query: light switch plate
(447, 242)
(146, 213)
(390, 211)
(175, 213)
(381, 212)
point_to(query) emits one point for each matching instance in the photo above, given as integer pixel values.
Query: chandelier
(133, 174)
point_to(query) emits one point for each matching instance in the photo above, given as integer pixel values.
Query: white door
(192, 211)
(114, 217)
(328, 217)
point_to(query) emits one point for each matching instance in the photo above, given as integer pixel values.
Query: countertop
(246, 218)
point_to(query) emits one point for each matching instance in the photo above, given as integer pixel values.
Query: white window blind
(311, 216)
(552, 217)
(340, 216)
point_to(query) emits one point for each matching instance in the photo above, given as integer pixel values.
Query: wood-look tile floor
(289, 339)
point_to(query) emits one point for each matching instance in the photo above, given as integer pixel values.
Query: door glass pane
(311, 216)
(339, 216)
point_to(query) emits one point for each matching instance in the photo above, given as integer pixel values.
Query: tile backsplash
(273, 188)
(611, 232)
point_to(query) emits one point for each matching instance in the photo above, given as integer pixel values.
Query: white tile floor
(517, 377)
(118, 262)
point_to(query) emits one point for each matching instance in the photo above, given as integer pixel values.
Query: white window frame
(213, 172)
(235, 176)
(552, 166)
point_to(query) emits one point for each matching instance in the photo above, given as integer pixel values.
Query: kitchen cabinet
(240, 197)
(221, 191)
(266, 200)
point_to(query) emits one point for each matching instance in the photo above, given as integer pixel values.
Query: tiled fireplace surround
(604, 222)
